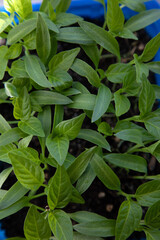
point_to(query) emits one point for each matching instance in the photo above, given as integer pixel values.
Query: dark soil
(97, 198)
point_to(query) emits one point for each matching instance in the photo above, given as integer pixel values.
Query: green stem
(7, 101)
(39, 208)
(38, 195)
(13, 122)
(105, 56)
(127, 195)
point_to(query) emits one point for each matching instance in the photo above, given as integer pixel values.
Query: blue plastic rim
(94, 10)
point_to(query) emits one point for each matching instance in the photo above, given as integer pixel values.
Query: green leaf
(150, 49)
(85, 70)
(63, 6)
(78, 236)
(36, 226)
(4, 150)
(129, 216)
(60, 189)
(14, 194)
(148, 193)
(14, 208)
(32, 126)
(128, 161)
(9, 5)
(104, 228)
(29, 173)
(152, 234)
(49, 98)
(42, 36)
(4, 175)
(10, 136)
(116, 72)
(66, 19)
(45, 119)
(85, 179)
(92, 52)
(105, 173)
(115, 17)
(17, 69)
(85, 217)
(18, 32)
(4, 126)
(153, 126)
(94, 137)
(131, 135)
(141, 69)
(105, 128)
(142, 19)
(63, 60)
(35, 72)
(122, 104)
(126, 33)
(3, 60)
(101, 37)
(77, 168)
(60, 79)
(103, 100)
(70, 128)
(14, 51)
(5, 21)
(73, 35)
(58, 147)
(23, 8)
(28, 153)
(136, 5)
(83, 101)
(152, 217)
(76, 197)
(154, 67)
(60, 225)
(22, 106)
(23, 143)
(147, 97)
(10, 90)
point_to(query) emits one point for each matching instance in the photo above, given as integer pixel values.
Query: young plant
(42, 82)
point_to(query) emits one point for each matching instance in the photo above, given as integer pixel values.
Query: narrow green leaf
(10, 90)
(152, 217)
(36, 226)
(61, 225)
(60, 79)
(9, 5)
(4, 175)
(131, 135)
(29, 173)
(148, 193)
(66, 19)
(105, 173)
(104, 228)
(78, 167)
(5, 21)
(142, 19)
(23, 8)
(3, 60)
(83, 101)
(15, 193)
(70, 128)
(32, 126)
(78, 236)
(101, 37)
(58, 147)
(84, 217)
(105, 128)
(150, 49)
(45, 119)
(103, 100)
(63, 6)
(4, 126)
(14, 51)
(22, 106)
(94, 137)
(154, 67)
(10, 136)
(73, 35)
(42, 36)
(17, 69)
(49, 98)
(92, 52)
(63, 60)
(35, 72)
(20, 31)
(129, 216)
(153, 126)
(115, 17)
(85, 70)
(122, 104)
(136, 5)
(128, 161)
(60, 189)
(152, 234)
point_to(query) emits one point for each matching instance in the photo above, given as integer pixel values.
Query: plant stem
(13, 122)
(38, 195)
(39, 208)
(107, 56)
